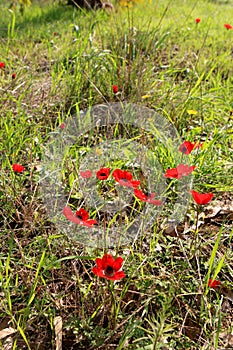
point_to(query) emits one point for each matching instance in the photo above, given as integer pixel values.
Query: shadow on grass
(36, 18)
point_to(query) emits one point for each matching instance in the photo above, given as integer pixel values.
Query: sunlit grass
(65, 61)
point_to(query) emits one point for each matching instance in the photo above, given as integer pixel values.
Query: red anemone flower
(62, 126)
(13, 76)
(17, 168)
(2, 64)
(201, 198)
(103, 173)
(86, 174)
(180, 171)
(171, 173)
(147, 197)
(109, 268)
(197, 20)
(115, 89)
(186, 147)
(124, 178)
(228, 26)
(184, 170)
(213, 283)
(81, 217)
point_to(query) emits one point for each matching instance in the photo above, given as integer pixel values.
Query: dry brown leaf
(223, 206)
(7, 331)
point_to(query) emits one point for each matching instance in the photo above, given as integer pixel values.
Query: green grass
(65, 61)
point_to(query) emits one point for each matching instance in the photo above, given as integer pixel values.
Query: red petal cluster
(124, 178)
(228, 26)
(187, 147)
(109, 268)
(115, 89)
(149, 197)
(17, 168)
(180, 171)
(197, 20)
(213, 283)
(202, 198)
(103, 173)
(2, 64)
(81, 217)
(86, 174)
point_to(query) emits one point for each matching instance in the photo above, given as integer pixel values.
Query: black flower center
(109, 271)
(80, 217)
(102, 174)
(184, 149)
